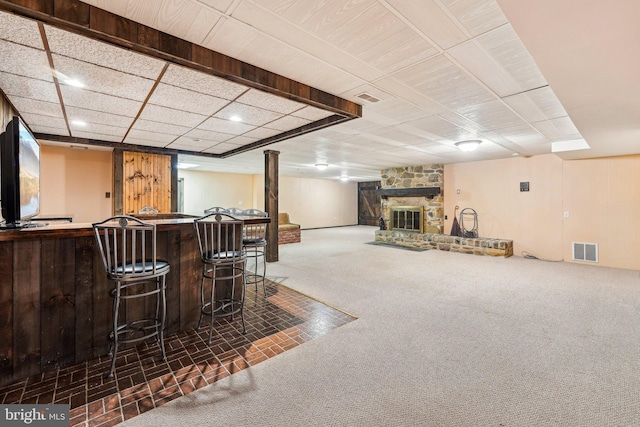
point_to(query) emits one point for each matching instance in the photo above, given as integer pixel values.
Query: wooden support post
(271, 202)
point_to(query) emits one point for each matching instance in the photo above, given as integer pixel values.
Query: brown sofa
(288, 232)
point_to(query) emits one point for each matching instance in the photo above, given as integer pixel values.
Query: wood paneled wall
(146, 181)
(55, 296)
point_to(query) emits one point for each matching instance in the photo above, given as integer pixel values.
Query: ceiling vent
(367, 97)
(585, 252)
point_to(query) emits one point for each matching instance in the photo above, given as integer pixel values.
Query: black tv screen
(19, 174)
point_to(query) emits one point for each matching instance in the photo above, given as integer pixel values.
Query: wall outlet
(566, 214)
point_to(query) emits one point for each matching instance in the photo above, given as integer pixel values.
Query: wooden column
(271, 202)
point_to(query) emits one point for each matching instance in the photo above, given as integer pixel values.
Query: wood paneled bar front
(55, 302)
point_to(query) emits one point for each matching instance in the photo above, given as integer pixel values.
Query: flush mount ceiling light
(322, 166)
(235, 118)
(468, 145)
(344, 178)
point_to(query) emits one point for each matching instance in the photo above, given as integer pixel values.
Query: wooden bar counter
(55, 305)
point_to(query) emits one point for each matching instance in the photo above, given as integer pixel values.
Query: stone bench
(288, 232)
(443, 242)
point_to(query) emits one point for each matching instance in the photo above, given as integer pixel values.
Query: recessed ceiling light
(344, 178)
(187, 165)
(468, 145)
(235, 118)
(78, 123)
(322, 166)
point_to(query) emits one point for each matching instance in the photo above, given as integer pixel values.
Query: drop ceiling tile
(98, 136)
(476, 17)
(103, 80)
(96, 128)
(97, 117)
(436, 127)
(267, 101)
(225, 126)
(207, 135)
(148, 136)
(204, 22)
(16, 29)
(491, 115)
(82, 98)
(161, 114)
(28, 105)
(429, 18)
(561, 128)
(45, 121)
(241, 140)
(442, 81)
(250, 115)
(522, 133)
(48, 130)
(536, 105)
(219, 5)
(312, 113)
(287, 123)
(186, 100)
(187, 143)
(24, 61)
(223, 147)
(167, 128)
(24, 87)
(261, 133)
(201, 82)
(186, 147)
(381, 39)
(95, 52)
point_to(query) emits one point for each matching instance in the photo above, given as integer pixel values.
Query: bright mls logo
(38, 415)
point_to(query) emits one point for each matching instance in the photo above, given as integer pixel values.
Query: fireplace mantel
(429, 192)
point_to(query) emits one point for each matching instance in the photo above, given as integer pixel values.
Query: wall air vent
(585, 252)
(367, 97)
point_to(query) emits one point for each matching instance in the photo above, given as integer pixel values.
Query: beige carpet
(442, 339)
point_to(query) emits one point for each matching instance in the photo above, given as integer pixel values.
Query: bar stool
(223, 267)
(215, 209)
(254, 242)
(128, 249)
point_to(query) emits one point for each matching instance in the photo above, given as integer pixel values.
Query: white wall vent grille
(585, 252)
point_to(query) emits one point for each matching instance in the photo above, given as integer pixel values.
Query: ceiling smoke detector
(367, 97)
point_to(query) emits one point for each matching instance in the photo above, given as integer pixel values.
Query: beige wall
(74, 182)
(602, 197)
(203, 190)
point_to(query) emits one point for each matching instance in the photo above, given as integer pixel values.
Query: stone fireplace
(413, 213)
(417, 187)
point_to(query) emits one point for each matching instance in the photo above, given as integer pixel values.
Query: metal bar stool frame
(223, 259)
(254, 242)
(128, 249)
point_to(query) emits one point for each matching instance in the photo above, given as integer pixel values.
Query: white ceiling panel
(36, 120)
(89, 100)
(225, 126)
(154, 137)
(155, 126)
(287, 122)
(248, 114)
(48, 130)
(105, 55)
(17, 30)
(29, 105)
(219, 5)
(207, 135)
(96, 136)
(160, 114)
(269, 102)
(24, 61)
(13, 85)
(188, 23)
(560, 128)
(202, 82)
(186, 100)
(98, 129)
(491, 115)
(103, 80)
(477, 16)
(98, 117)
(536, 105)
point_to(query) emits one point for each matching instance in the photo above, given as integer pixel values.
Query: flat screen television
(19, 175)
